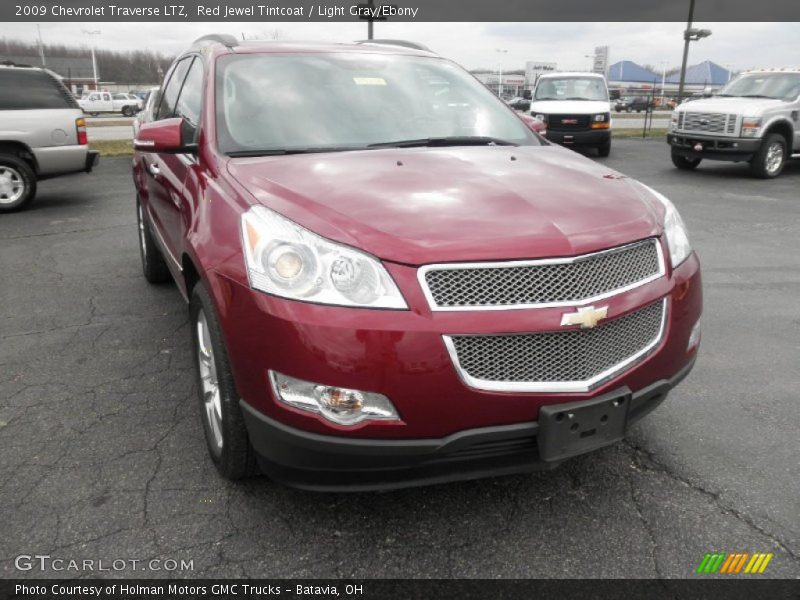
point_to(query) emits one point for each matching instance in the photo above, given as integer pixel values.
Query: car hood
(570, 107)
(749, 107)
(425, 205)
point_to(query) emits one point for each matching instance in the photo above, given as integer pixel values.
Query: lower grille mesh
(575, 355)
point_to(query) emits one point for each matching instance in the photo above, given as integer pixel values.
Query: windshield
(571, 88)
(347, 101)
(781, 86)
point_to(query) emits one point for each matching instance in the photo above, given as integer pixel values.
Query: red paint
(408, 207)
(160, 136)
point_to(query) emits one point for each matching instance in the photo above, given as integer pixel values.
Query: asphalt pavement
(103, 456)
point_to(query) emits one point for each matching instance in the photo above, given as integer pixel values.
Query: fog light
(339, 405)
(694, 337)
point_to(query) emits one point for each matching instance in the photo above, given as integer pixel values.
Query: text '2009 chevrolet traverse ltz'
(392, 280)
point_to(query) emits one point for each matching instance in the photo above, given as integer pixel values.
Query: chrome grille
(549, 282)
(707, 122)
(572, 360)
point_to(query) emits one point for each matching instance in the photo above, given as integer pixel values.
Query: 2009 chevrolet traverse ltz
(392, 279)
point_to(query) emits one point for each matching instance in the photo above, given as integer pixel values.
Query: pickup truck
(95, 103)
(755, 119)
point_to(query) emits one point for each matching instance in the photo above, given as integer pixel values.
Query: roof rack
(402, 43)
(226, 39)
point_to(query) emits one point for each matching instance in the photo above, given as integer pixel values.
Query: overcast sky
(735, 45)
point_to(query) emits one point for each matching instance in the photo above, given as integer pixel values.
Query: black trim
(595, 137)
(92, 160)
(333, 463)
(714, 148)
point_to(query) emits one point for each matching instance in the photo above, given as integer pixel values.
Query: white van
(576, 109)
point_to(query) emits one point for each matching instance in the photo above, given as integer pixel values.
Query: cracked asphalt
(102, 453)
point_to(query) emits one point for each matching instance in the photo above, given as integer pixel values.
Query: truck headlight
(674, 230)
(751, 126)
(601, 121)
(673, 121)
(287, 260)
(342, 406)
(540, 116)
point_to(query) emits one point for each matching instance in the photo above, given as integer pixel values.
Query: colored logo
(734, 563)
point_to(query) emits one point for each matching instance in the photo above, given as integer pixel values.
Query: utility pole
(690, 35)
(500, 73)
(94, 58)
(41, 45)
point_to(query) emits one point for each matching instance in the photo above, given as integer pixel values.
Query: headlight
(541, 117)
(674, 230)
(339, 405)
(601, 118)
(673, 122)
(287, 260)
(751, 126)
(601, 121)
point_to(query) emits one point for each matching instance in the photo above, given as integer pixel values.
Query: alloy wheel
(774, 158)
(12, 185)
(209, 382)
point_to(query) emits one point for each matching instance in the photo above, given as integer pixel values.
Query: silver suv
(755, 118)
(42, 133)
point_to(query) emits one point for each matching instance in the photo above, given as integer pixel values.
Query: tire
(17, 183)
(154, 267)
(628, 109)
(685, 163)
(604, 150)
(770, 159)
(127, 111)
(225, 432)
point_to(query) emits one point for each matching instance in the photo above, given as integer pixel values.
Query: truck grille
(536, 283)
(573, 360)
(568, 122)
(707, 122)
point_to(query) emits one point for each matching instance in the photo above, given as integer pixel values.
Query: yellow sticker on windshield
(369, 80)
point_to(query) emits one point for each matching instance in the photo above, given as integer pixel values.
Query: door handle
(153, 168)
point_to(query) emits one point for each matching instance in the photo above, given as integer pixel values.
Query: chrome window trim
(556, 386)
(531, 263)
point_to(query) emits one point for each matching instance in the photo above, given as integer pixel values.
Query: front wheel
(226, 435)
(768, 162)
(17, 183)
(127, 111)
(604, 150)
(684, 162)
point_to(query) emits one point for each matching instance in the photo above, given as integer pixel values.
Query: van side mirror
(164, 136)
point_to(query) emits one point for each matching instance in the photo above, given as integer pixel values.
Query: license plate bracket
(566, 430)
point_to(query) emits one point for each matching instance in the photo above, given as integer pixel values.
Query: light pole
(500, 73)
(690, 35)
(94, 59)
(663, 64)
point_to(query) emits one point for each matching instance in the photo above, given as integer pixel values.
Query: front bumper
(331, 463)
(713, 148)
(594, 137)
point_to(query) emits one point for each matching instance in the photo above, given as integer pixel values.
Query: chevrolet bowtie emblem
(587, 317)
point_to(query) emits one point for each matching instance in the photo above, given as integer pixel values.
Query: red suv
(392, 279)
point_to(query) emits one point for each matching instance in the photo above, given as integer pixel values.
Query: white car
(576, 109)
(95, 103)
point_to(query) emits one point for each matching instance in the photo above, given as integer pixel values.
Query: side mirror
(164, 136)
(534, 124)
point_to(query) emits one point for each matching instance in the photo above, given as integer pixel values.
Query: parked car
(635, 103)
(520, 103)
(95, 103)
(576, 109)
(753, 119)
(417, 288)
(42, 134)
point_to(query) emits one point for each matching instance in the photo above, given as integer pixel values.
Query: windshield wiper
(757, 96)
(579, 98)
(282, 151)
(445, 141)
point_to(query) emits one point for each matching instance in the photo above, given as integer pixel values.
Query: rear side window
(26, 89)
(173, 88)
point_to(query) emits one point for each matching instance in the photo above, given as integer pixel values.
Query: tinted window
(188, 105)
(170, 94)
(24, 89)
